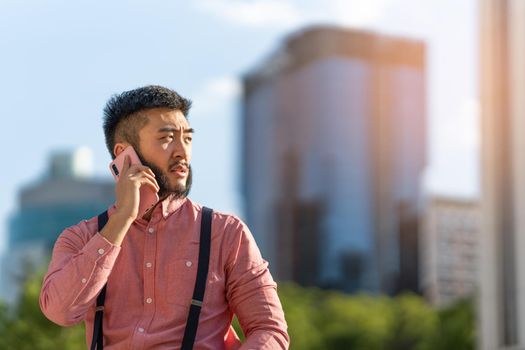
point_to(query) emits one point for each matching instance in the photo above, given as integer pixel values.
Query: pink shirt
(150, 280)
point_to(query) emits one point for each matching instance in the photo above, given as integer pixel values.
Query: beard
(166, 189)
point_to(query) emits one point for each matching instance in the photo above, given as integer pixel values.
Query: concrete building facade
(449, 245)
(502, 57)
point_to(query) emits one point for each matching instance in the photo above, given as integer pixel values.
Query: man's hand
(127, 189)
(127, 192)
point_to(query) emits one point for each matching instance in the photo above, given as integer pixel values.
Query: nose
(181, 150)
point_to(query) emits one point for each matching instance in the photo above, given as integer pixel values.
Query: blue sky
(62, 60)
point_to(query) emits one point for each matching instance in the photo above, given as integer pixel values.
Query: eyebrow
(172, 129)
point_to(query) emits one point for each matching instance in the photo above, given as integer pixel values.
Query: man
(150, 262)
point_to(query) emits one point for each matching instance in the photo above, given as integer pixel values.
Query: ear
(119, 147)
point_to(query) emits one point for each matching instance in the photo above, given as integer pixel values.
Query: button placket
(148, 292)
(149, 275)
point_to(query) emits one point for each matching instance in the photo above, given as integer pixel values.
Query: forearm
(116, 228)
(270, 339)
(263, 321)
(75, 277)
(252, 293)
(260, 312)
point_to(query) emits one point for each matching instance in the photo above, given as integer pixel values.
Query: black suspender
(198, 292)
(98, 336)
(200, 282)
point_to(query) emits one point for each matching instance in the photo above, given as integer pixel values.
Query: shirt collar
(170, 204)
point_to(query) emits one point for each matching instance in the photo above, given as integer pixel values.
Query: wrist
(117, 227)
(122, 217)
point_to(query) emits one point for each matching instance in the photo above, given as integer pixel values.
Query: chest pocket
(181, 276)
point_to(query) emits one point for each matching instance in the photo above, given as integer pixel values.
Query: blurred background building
(449, 244)
(334, 142)
(502, 295)
(65, 195)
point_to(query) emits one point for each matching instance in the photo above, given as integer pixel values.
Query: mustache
(178, 163)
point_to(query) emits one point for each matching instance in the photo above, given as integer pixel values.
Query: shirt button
(101, 251)
(149, 264)
(141, 330)
(149, 300)
(151, 230)
(188, 263)
(84, 280)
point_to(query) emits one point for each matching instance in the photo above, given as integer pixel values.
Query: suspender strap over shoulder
(198, 292)
(200, 282)
(98, 336)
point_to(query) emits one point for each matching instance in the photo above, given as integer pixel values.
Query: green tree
(414, 324)
(27, 328)
(301, 308)
(320, 319)
(457, 325)
(317, 319)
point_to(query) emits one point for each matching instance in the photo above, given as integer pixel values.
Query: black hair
(122, 117)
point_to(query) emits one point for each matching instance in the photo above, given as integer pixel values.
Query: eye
(189, 139)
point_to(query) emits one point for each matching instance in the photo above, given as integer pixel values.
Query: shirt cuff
(101, 251)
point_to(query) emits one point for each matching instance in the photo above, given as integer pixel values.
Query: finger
(145, 168)
(141, 175)
(134, 172)
(151, 172)
(126, 164)
(138, 167)
(150, 183)
(150, 177)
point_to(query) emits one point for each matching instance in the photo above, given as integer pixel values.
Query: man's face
(165, 147)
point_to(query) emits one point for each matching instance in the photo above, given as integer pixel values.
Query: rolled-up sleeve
(252, 292)
(79, 268)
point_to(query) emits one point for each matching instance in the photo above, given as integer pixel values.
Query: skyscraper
(66, 195)
(502, 57)
(334, 143)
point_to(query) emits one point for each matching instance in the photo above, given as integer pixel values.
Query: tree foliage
(317, 319)
(26, 327)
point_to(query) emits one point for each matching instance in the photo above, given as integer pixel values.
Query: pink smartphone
(148, 197)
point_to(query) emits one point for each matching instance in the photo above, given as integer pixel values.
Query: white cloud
(286, 14)
(358, 13)
(216, 93)
(225, 87)
(255, 13)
